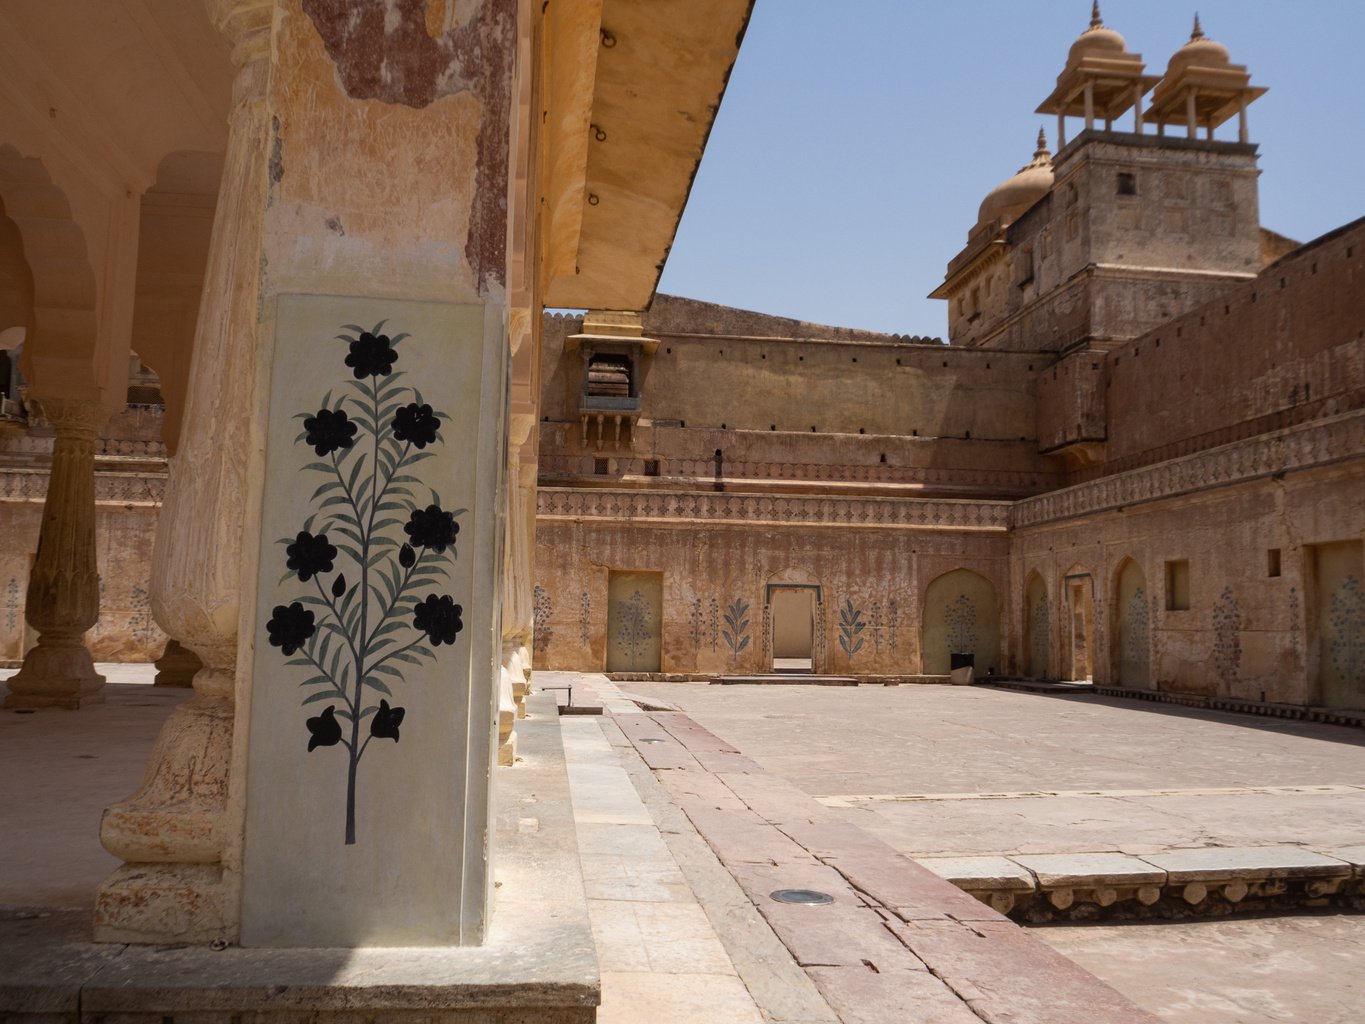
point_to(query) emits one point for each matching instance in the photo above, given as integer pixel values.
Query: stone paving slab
(1220, 863)
(1353, 855)
(980, 872)
(1004, 975)
(1056, 870)
(875, 997)
(538, 962)
(875, 890)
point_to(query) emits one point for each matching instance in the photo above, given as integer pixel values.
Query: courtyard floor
(938, 771)
(932, 771)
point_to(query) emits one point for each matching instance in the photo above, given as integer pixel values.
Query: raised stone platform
(539, 963)
(1209, 881)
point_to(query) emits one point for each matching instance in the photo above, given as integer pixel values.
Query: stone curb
(1211, 880)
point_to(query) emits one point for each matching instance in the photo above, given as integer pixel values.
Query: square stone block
(1219, 863)
(1067, 870)
(973, 873)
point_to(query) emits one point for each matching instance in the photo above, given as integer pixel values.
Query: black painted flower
(416, 423)
(384, 725)
(432, 528)
(438, 618)
(329, 430)
(371, 355)
(310, 555)
(290, 626)
(324, 730)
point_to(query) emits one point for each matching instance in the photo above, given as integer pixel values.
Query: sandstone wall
(1252, 627)
(1284, 348)
(724, 559)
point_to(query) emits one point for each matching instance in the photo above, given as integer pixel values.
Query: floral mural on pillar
(365, 572)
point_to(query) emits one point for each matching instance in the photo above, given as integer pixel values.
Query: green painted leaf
(324, 695)
(376, 684)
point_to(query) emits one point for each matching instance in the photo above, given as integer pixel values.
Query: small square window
(1178, 586)
(1272, 562)
(1127, 184)
(601, 466)
(651, 467)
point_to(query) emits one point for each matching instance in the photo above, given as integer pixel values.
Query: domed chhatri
(1203, 88)
(1101, 80)
(1200, 51)
(1098, 39)
(1008, 200)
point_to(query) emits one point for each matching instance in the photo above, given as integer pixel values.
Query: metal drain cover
(808, 896)
(650, 739)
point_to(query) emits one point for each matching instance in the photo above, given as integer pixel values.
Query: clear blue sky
(858, 137)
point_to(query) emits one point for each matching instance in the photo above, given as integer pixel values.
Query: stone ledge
(539, 963)
(1208, 881)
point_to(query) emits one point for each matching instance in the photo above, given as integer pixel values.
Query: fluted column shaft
(63, 588)
(180, 832)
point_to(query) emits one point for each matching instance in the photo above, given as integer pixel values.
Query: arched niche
(1131, 626)
(1037, 628)
(961, 613)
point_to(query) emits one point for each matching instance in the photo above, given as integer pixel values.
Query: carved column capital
(78, 419)
(246, 23)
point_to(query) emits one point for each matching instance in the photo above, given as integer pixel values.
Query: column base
(56, 677)
(176, 666)
(164, 903)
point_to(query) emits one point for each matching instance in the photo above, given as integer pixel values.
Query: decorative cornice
(1317, 443)
(772, 510)
(26, 485)
(567, 470)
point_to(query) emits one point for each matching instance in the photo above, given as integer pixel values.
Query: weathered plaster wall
(123, 538)
(711, 572)
(1246, 633)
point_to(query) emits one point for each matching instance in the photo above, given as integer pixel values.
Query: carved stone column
(63, 588)
(177, 666)
(181, 832)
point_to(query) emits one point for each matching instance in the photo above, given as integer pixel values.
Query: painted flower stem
(359, 620)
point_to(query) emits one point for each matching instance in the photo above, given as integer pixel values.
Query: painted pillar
(181, 831)
(371, 629)
(63, 588)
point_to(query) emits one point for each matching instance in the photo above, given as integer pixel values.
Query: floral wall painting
(371, 685)
(736, 632)
(851, 624)
(1338, 614)
(1133, 628)
(355, 635)
(634, 621)
(961, 614)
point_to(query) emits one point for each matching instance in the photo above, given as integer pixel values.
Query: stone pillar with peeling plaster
(180, 834)
(63, 589)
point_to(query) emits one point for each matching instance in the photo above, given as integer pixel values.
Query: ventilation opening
(1272, 560)
(601, 466)
(609, 376)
